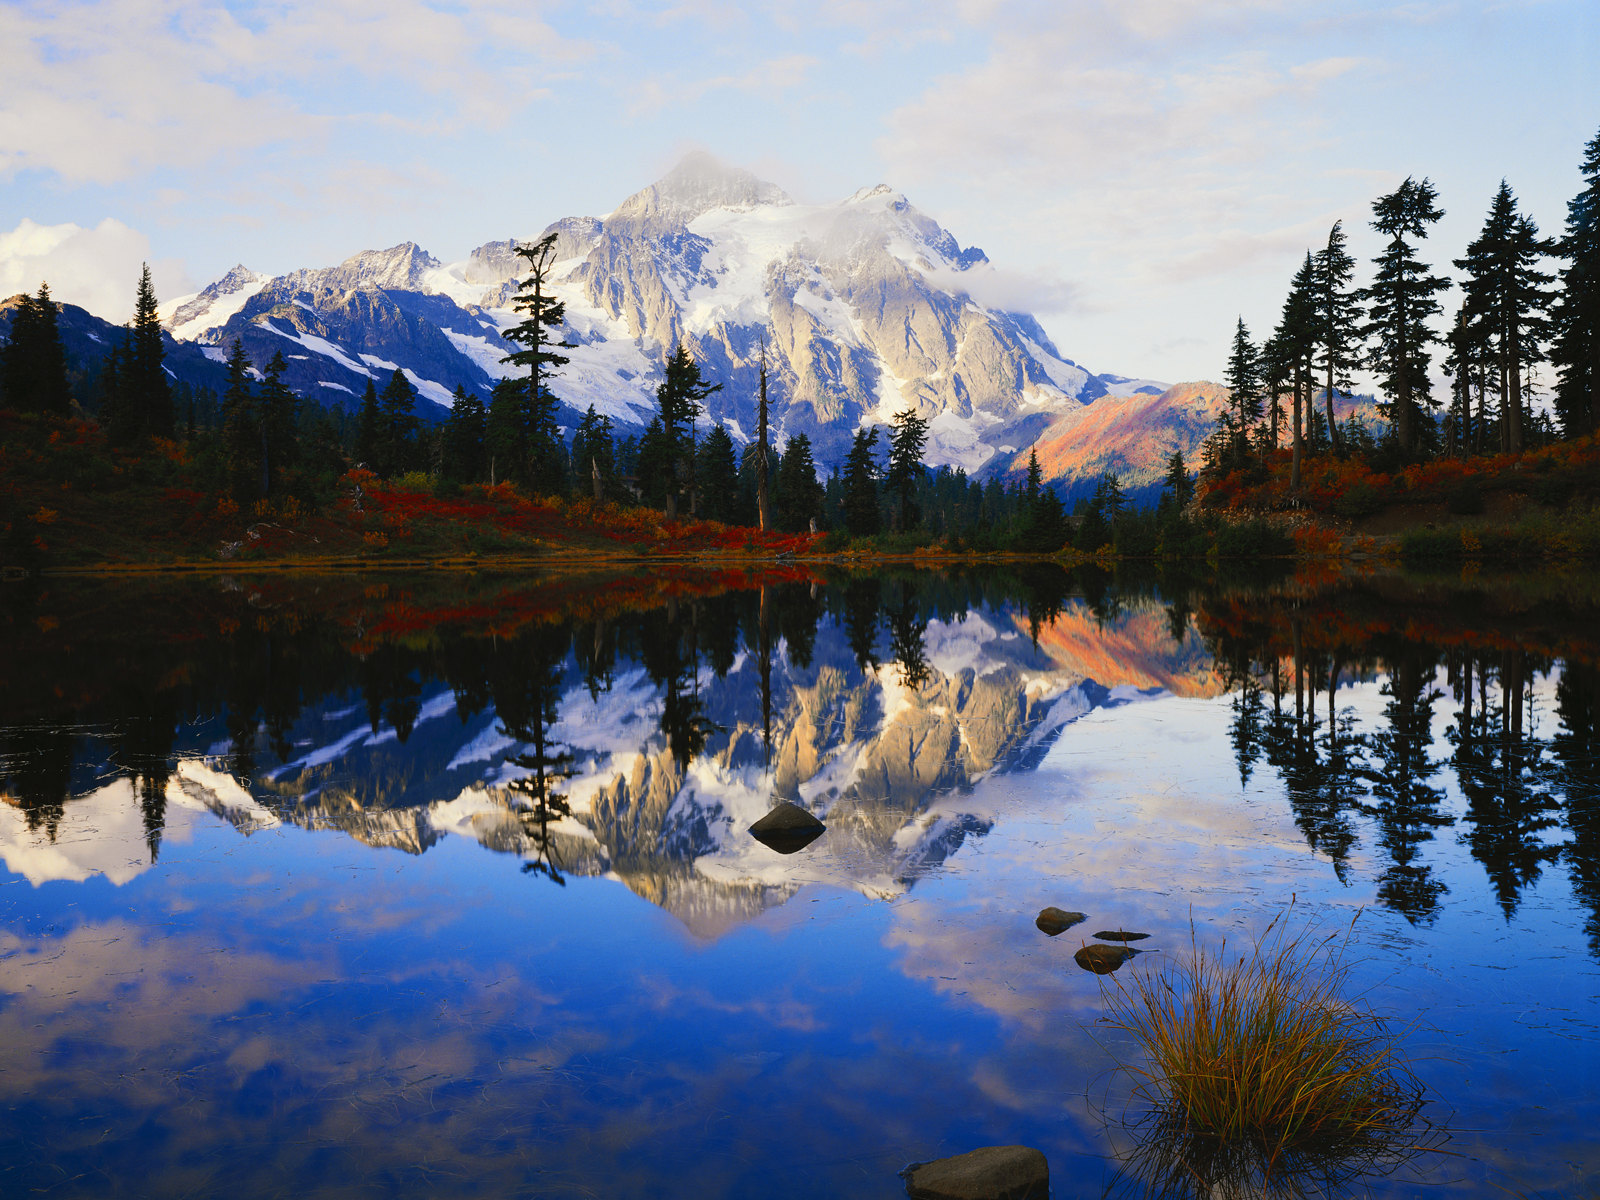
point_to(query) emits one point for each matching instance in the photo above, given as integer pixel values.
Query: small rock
(1103, 960)
(1058, 920)
(992, 1173)
(787, 829)
(1105, 935)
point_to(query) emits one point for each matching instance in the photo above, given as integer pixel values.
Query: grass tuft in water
(1257, 1066)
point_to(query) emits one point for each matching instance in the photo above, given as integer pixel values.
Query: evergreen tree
(544, 468)
(33, 363)
(115, 414)
(1338, 321)
(279, 422)
(905, 470)
(681, 398)
(594, 456)
(398, 425)
(1295, 341)
(799, 492)
(241, 436)
(1505, 302)
(1399, 303)
(1176, 487)
(465, 434)
(655, 466)
(369, 429)
(1276, 372)
(763, 448)
(717, 472)
(506, 437)
(1576, 350)
(1243, 377)
(145, 393)
(860, 484)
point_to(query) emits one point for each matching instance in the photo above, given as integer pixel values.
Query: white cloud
(97, 269)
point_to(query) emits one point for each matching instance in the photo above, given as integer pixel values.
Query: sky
(1148, 171)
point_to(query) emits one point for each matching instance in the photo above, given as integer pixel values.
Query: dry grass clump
(1258, 1067)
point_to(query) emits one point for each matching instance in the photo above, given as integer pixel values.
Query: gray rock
(1057, 920)
(992, 1173)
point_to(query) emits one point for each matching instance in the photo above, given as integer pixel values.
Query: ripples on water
(444, 887)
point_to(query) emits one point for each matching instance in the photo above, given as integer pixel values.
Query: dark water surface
(444, 887)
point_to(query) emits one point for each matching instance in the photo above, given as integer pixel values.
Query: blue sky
(1145, 169)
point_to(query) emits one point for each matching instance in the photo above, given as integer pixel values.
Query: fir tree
(241, 436)
(369, 429)
(1295, 342)
(1505, 299)
(764, 448)
(144, 378)
(717, 473)
(1338, 321)
(1176, 487)
(655, 466)
(1576, 349)
(464, 437)
(1243, 378)
(33, 364)
(544, 468)
(905, 469)
(398, 425)
(681, 399)
(799, 492)
(594, 456)
(279, 421)
(860, 484)
(1399, 303)
(506, 436)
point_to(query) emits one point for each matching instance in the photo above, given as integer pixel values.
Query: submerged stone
(1103, 960)
(992, 1173)
(1058, 920)
(787, 829)
(1120, 935)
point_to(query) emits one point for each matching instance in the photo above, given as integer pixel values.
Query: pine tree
(1338, 321)
(464, 437)
(398, 425)
(536, 334)
(280, 419)
(905, 470)
(241, 435)
(144, 377)
(764, 448)
(1506, 303)
(1576, 349)
(1295, 342)
(681, 398)
(33, 363)
(717, 472)
(1243, 378)
(799, 492)
(594, 456)
(860, 484)
(1399, 303)
(369, 429)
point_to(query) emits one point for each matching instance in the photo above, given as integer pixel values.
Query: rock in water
(992, 1173)
(1103, 960)
(787, 828)
(1058, 920)
(1120, 935)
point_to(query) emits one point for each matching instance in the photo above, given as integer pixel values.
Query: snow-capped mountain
(864, 307)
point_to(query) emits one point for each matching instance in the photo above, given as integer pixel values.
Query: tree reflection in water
(237, 672)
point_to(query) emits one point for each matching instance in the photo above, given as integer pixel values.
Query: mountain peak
(699, 184)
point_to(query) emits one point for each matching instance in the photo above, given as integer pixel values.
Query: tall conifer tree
(1576, 350)
(681, 398)
(1243, 377)
(1399, 303)
(545, 467)
(1338, 322)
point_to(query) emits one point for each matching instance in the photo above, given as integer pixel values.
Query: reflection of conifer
(38, 763)
(143, 749)
(526, 684)
(670, 650)
(861, 606)
(907, 626)
(1576, 746)
(1407, 806)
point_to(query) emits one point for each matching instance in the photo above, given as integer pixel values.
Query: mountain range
(860, 308)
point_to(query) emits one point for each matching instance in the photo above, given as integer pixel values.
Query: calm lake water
(444, 887)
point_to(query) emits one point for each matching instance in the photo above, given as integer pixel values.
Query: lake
(443, 886)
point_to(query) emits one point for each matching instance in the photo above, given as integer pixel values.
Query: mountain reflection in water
(960, 735)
